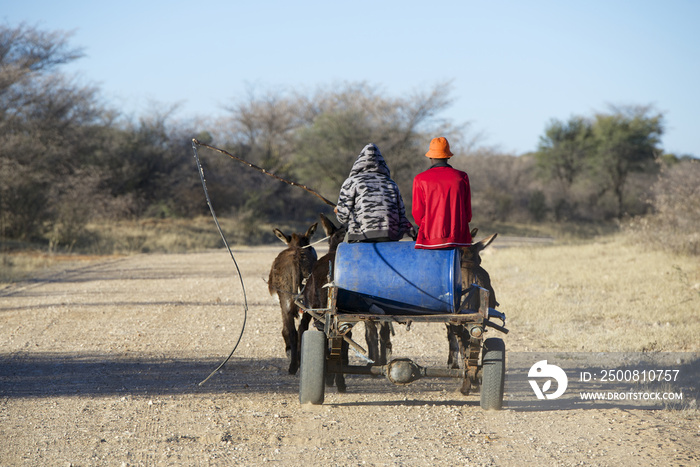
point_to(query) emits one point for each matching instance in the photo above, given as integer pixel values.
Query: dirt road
(99, 365)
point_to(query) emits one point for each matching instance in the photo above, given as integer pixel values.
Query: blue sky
(514, 65)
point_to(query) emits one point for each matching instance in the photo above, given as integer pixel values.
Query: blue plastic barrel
(396, 278)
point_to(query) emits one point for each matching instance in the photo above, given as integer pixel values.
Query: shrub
(675, 222)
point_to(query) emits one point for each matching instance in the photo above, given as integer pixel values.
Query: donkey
(472, 273)
(289, 269)
(316, 295)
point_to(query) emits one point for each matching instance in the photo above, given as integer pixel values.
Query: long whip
(223, 237)
(260, 169)
(196, 143)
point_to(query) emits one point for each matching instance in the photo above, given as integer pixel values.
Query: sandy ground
(99, 365)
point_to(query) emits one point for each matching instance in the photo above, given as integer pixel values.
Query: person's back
(370, 202)
(442, 202)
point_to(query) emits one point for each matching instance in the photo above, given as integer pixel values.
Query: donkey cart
(394, 282)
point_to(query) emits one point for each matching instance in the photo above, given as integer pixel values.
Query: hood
(370, 160)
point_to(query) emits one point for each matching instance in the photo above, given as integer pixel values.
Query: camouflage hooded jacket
(369, 202)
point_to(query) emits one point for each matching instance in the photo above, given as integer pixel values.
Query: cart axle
(399, 371)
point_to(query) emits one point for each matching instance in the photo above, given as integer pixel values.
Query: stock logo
(542, 369)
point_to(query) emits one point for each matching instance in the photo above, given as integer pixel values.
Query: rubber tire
(493, 374)
(312, 382)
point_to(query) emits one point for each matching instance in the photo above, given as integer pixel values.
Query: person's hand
(335, 210)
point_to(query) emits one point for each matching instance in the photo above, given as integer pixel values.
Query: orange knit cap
(439, 149)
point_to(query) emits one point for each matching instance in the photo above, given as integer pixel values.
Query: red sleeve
(469, 199)
(418, 202)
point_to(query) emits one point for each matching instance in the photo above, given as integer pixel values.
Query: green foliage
(326, 149)
(626, 141)
(537, 205)
(23, 201)
(563, 150)
(594, 161)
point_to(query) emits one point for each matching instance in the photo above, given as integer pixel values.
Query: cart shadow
(48, 375)
(56, 375)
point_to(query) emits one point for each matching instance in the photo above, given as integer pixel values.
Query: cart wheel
(313, 367)
(493, 374)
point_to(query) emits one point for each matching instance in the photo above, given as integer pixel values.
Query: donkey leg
(330, 379)
(453, 355)
(464, 348)
(340, 377)
(372, 340)
(385, 343)
(289, 333)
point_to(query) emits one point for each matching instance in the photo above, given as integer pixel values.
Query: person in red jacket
(442, 206)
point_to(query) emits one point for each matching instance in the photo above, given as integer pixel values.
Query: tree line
(68, 159)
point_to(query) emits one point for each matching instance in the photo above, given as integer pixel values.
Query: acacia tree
(591, 158)
(562, 156)
(43, 117)
(562, 151)
(626, 141)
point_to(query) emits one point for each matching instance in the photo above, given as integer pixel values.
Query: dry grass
(601, 296)
(171, 235)
(19, 266)
(177, 235)
(20, 262)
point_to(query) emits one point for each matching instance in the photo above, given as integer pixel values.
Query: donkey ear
(312, 230)
(486, 242)
(282, 236)
(474, 232)
(328, 226)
